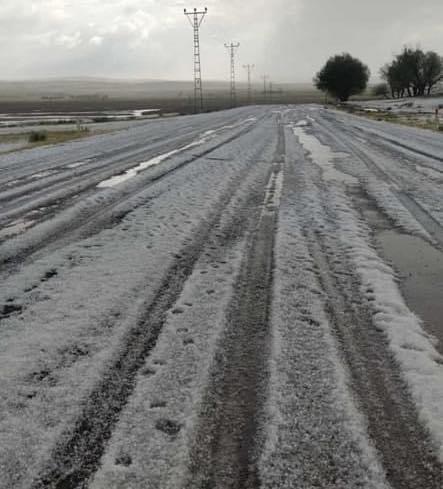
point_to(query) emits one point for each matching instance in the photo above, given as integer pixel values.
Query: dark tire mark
(406, 452)
(92, 222)
(78, 454)
(429, 223)
(230, 436)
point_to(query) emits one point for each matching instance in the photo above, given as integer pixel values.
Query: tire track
(77, 456)
(429, 223)
(229, 437)
(120, 151)
(406, 452)
(392, 144)
(62, 187)
(92, 220)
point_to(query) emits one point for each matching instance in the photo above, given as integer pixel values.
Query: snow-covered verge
(417, 105)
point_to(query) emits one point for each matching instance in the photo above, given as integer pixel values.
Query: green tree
(413, 72)
(433, 70)
(342, 76)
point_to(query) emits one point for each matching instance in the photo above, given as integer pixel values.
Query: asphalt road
(209, 302)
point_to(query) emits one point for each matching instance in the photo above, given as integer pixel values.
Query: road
(222, 301)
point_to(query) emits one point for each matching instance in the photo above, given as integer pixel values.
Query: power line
(232, 47)
(249, 69)
(195, 19)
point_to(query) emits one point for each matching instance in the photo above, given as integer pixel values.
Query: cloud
(96, 40)
(289, 39)
(70, 41)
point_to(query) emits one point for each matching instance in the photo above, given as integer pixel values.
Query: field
(70, 96)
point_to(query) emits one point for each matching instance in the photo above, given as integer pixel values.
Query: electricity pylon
(232, 47)
(265, 77)
(249, 69)
(195, 19)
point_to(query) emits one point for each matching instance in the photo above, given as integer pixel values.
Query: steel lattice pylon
(249, 69)
(196, 18)
(232, 47)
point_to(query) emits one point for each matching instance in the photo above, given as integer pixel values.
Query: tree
(381, 90)
(342, 76)
(433, 70)
(413, 72)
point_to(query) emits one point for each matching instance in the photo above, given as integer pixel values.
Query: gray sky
(289, 39)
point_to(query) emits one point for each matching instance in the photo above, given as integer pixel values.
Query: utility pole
(249, 68)
(264, 77)
(195, 19)
(232, 47)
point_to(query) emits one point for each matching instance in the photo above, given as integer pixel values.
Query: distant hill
(72, 88)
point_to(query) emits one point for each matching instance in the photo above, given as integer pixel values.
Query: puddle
(132, 172)
(418, 264)
(421, 271)
(142, 112)
(78, 163)
(324, 157)
(43, 174)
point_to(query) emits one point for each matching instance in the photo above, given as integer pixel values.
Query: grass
(411, 120)
(12, 138)
(38, 136)
(58, 137)
(34, 139)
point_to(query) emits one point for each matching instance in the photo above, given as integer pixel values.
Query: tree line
(412, 73)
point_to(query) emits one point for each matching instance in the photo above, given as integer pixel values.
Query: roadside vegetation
(413, 73)
(42, 138)
(37, 136)
(342, 76)
(405, 119)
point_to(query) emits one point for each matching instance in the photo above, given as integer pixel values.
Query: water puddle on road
(323, 156)
(420, 266)
(78, 163)
(132, 172)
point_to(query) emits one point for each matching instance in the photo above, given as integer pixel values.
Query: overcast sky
(289, 39)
